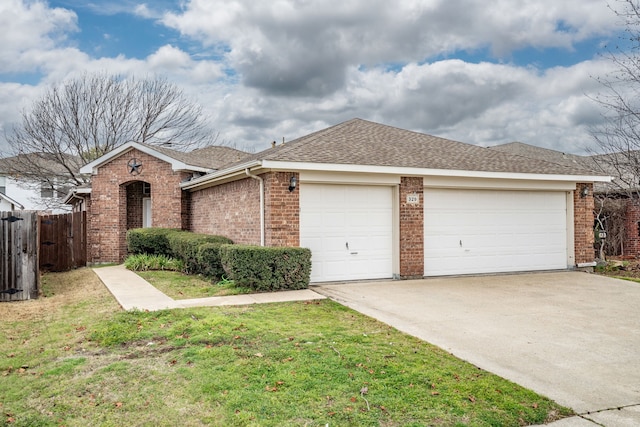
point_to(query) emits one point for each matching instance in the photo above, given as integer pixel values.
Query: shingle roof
(361, 142)
(212, 157)
(545, 154)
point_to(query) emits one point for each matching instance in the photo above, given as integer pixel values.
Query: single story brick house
(371, 202)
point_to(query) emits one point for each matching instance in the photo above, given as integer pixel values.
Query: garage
(349, 229)
(491, 231)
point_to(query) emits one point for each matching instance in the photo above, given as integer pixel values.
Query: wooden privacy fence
(19, 276)
(63, 241)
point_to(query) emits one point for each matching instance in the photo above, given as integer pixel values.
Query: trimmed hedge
(152, 241)
(267, 268)
(199, 252)
(187, 247)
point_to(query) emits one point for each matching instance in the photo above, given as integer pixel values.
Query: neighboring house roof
(46, 162)
(545, 154)
(201, 160)
(361, 145)
(11, 201)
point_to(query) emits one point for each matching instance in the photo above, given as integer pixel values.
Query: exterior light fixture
(292, 183)
(585, 192)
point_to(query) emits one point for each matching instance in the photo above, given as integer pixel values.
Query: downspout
(261, 203)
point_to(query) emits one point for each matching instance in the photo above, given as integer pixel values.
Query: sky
(476, 71)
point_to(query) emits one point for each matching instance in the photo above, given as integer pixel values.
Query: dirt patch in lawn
(57, 290)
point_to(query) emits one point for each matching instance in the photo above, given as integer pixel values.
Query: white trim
(218, 177)
(73, 194)
(176, 165)
(496, 184)
(322, 177)
(571, 232)
(12, 202)
(395, 170)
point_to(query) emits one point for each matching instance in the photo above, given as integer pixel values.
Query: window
(46, 191)
(146, 189)
(3, 183)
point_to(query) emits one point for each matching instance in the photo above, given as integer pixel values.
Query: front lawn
(74, 359)
(184, 286)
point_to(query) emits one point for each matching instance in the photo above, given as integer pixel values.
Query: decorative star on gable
(134, 166)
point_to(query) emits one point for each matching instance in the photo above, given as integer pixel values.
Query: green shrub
(267, 268)
(150, 241)
(144, 262)
(186, 245)
(207, 260)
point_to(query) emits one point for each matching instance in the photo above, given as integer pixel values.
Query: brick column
(583, 224)
(282, 210)
(411, 228)
(632, 227)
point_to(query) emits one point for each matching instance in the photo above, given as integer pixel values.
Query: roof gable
(201, 160)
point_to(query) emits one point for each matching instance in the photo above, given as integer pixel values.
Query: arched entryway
(135, 210)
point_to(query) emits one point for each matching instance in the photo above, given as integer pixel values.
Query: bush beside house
(267, 268)
(198, 252)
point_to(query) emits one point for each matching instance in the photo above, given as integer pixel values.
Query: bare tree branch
(81, 119)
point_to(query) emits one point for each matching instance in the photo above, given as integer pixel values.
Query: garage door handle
(354, 253)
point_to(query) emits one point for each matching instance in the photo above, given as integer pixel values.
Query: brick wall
(231, 210)
(411, 229)
(632, 227)
(282, 210)
(112, 188)
(583, 224)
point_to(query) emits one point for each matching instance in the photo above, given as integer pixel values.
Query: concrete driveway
(573, 337)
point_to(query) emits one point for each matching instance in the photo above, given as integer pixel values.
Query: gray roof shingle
(361, 142)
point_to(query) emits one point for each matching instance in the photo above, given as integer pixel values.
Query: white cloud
(30, 29)
(284, 68)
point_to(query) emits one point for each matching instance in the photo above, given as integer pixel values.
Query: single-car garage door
(486, 231)
(348, 229)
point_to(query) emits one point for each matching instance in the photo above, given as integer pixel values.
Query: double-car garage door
(350, 231)
(484, 231)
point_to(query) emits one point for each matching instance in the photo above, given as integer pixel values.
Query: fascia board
(176, 165)
(11, 201)
(218, 176)
(329, 167)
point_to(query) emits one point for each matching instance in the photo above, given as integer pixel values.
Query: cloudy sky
(478, 71)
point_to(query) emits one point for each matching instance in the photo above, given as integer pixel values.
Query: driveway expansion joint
(615, 408)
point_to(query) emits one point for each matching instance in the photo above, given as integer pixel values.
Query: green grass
(77, 360)
(182, 286)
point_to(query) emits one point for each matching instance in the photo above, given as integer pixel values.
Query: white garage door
(477, 231)
(348, 229)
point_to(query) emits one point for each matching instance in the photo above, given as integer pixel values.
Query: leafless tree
(81, 119)
(618, 138)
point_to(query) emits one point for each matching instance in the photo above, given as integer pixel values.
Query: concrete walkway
(133, 292)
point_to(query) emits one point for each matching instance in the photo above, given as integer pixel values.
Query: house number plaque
(413, 199)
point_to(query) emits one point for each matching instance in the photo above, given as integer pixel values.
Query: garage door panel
(332, 216)
(476, 231)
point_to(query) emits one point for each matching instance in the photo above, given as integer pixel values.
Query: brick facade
(231, 210)
(282, 210)
(583, 224)
(632, 227)
(116, 203)
(411, 229)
